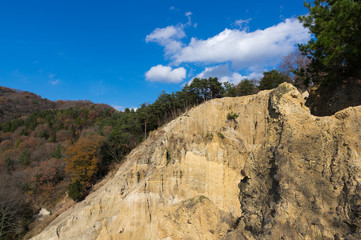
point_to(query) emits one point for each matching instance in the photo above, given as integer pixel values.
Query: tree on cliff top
(335, 50)
(272, 79)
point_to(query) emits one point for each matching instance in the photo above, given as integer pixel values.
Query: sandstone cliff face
(274, 172)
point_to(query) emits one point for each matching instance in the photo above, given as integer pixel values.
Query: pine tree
(335, 49)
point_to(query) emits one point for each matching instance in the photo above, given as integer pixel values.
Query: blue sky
(124, 53)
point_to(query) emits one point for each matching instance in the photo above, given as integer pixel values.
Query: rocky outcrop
(270, 170)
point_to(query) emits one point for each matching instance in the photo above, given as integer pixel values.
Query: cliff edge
(253, 167)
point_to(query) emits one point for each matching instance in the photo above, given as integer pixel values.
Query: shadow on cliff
(333, 97)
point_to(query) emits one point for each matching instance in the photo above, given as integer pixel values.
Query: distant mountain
(16, 103)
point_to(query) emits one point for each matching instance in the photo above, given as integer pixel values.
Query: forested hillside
(32, 161)
(16, 103)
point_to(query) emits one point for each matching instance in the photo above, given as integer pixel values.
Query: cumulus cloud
(243, 49)
(235, 78)
(160, 35)
(215, 71)
(229, 52)
(224, 74)
(167, 37)
(170, 37)
(166, 74)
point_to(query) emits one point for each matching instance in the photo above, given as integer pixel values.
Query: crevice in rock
(162, 184)
(274, 191)
(260, 191)
(245, 179)
(150, 214)
(138, 177)
(272, 110)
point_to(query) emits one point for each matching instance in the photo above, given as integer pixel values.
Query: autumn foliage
(83, 158)
(45, 177)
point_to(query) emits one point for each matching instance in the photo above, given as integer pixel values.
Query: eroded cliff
(273, 172)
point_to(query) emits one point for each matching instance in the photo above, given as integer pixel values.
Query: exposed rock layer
(273, 172)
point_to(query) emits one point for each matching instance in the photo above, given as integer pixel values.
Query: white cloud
(224, 74)
(167, 37)
(229, 51)
(54, 82)
(118, 107)
(165, 74)
(242, 23)
(235, 78)
(215, 71)
(160, 35)
(121, 108)
(188, 15)
(244, 49)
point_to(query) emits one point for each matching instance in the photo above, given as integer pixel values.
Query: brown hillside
(16, 103)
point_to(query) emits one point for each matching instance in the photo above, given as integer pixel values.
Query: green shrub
(10, 164)
(23, 132)
(57, 153)
(44, 134)
(25, 159)
(209, 135)
(232, 116)
(18, 142)
(75, 190)
(220, 135)
(53, 136)
(12, 125)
